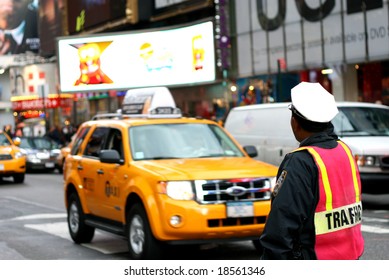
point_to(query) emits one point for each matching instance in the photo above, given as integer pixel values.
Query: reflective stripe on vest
(345, 216)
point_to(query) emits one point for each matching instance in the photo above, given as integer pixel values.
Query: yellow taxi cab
(60, 160)
(12, 160)
(158, 179)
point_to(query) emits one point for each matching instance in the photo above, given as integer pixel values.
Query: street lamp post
(42, 91)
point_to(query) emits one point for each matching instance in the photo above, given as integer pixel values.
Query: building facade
(261, 49)
(341, 44)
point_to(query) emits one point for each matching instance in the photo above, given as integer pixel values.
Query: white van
(364, 127)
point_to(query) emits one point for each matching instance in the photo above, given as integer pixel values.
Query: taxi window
(96, 142)
(165, 141)
(115, 141)
(79, 139)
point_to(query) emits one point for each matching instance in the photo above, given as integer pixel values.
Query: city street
(33, 227)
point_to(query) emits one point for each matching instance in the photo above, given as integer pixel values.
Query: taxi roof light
(152, 102)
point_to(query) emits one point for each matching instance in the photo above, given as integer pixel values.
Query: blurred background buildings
(259, 49)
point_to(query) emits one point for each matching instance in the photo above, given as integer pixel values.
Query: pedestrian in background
(55, 133)
(316, 210)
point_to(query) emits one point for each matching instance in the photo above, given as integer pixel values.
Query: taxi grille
(385, 162)
(5, 157)
(221, 191)
(228, 222)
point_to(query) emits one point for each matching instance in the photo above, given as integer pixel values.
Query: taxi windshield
(362, 121)
(167, 141)
(4, 140)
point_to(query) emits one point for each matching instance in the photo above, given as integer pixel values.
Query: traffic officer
(316, 210)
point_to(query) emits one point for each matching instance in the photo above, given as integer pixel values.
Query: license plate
(1, 166)
(240, 209)
(49, 164)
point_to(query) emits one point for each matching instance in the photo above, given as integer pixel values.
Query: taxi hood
(209, 168)
(8, 149)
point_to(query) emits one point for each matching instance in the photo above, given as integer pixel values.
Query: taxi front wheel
(19, 178)
(141, 242)
(79, 231)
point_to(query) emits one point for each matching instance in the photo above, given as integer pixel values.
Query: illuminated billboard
(169, 8)
(19, 27)
(182, 55)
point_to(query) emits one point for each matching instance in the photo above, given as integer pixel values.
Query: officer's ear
(296, 128)
(294, 123)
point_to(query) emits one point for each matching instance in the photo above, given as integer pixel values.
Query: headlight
(33, 158)
(180, 190)
(19, 155)
(366, 160)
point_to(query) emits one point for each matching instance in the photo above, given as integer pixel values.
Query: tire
(258, 246)
(141, 242)
(18, 178)
(79, 231)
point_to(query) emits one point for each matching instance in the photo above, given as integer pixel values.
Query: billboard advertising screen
(85, 14)
(177, 56)
(50, 25)
(19, 27)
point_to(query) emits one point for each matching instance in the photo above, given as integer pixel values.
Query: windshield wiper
(157, 158)
(217, 155)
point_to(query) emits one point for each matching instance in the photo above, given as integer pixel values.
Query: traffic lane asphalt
(375, 201)
(26, 218)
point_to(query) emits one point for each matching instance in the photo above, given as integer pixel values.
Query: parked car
(12, 160)
(41, 153)
(364, 127)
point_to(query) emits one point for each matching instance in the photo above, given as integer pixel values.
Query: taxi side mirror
(16, 141)
(110, 156)
(251, 151)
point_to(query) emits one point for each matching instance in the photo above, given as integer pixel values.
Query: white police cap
(313, 102)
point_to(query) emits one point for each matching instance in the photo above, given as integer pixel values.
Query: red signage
(40, 104)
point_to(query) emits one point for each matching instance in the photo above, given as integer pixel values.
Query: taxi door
(90, 170)
(103, 180)
(110, 178)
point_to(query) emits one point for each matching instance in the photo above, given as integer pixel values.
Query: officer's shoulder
(298, 157)
(298, 153)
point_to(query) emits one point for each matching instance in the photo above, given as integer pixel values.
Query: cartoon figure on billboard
(90, 69)
(155, 59)
(198, 52)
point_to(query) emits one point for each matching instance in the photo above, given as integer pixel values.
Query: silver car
(41, 153)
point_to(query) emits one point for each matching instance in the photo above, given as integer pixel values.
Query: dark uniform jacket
(290, 232)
